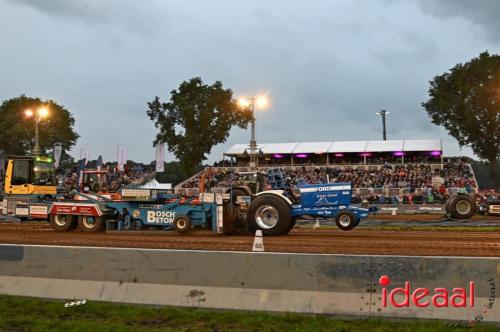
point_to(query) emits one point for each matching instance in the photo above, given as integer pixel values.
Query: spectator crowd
(388, 183)
(115, 179)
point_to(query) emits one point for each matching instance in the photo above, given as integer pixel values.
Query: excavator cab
(30, 176)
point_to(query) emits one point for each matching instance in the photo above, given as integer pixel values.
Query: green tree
(17, 132)
(466, 101)
(197, 117)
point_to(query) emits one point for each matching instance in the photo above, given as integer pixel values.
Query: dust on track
(357, 241)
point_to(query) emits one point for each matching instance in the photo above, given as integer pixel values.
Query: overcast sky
(327, 66)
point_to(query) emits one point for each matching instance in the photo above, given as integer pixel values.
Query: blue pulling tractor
(275, 211)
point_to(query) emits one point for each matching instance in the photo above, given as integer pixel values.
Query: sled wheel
(90, 224)
(62, 222)
(182, 224)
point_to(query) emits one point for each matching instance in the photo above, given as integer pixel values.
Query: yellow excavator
(29, 177)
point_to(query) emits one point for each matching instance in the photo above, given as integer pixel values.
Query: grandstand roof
(422, 145)
(341, 146)
(312, 147)
(279, 148)
(239, 149)
(348, 146)
(384, 146)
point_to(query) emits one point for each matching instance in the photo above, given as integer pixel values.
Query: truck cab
(29, 176)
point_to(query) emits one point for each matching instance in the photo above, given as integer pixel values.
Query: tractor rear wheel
(270, 214)
(461, 207)
(346, 220)
(63, 222)
(90, 224)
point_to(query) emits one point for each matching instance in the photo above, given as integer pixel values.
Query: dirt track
(357, 241)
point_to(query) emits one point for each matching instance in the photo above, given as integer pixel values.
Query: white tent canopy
(285, 148)
(341, 147)
(349, 146)
(239, 149)
(384, 146)
(422, 145)
(312, 147)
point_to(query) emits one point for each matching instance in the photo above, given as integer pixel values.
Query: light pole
(383, 114)
(40, 113)
(251, 102)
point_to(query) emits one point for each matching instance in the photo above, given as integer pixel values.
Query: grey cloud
(483, 13)
(327, 66)
(135, 16)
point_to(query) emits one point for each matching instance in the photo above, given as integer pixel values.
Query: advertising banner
(57, 155)
(160, 157)
(122, 157)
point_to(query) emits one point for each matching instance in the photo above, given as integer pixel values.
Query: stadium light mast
(383, 114)
(38, 115)
(251, 102)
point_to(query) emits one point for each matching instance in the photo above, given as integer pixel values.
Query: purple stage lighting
(399, 153)
(301, 155)
(365, 154)
(436, 153)
(278, 156)
(339, 155)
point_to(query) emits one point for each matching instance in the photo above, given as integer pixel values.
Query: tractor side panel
(326, 195)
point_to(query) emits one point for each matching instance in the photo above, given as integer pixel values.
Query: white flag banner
(84, 154)
(122, 157)
(57, 155)
(160, 157)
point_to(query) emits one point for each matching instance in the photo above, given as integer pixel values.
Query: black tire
(292, 224)
(270, 214)
(231, 222)
(447, 207)
(238, 192)
(346, 220)
(182, 224)
(461, 207)
(91, 224)
(63, 222)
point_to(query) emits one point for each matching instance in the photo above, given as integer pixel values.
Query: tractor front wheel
(346, 220)
(270, 214)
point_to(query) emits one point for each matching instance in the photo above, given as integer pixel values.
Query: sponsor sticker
(38, 211)
(22, 211)
(160, 217)
(136, 193)
(430, 208)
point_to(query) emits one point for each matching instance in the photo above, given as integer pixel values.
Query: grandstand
(340, 152)
(394, 171)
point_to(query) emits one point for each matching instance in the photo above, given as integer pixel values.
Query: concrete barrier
(306, 283)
